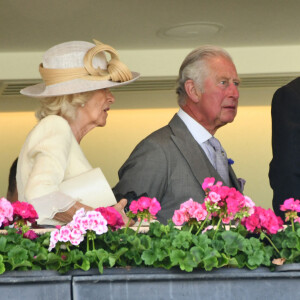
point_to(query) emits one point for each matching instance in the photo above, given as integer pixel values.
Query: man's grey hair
(195, 67)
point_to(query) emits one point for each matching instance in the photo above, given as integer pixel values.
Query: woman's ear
(193, 93)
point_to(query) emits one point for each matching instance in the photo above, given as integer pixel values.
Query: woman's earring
(82, 105)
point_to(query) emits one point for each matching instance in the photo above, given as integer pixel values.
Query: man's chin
(229, 117)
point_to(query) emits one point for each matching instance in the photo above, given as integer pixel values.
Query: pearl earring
(82, 105)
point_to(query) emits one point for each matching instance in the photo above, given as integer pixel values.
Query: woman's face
(96, 108)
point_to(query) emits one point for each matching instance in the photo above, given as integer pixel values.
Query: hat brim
(72, 87)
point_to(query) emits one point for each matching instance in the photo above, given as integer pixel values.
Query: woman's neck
(80, 129)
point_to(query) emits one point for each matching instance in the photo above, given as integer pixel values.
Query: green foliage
(163, 246)
(288, 243)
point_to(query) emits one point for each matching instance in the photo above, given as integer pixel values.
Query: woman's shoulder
(52, 122)
(51, 129)
(54, 119)
(51, 126)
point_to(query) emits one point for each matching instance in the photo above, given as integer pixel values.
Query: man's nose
(234, 91)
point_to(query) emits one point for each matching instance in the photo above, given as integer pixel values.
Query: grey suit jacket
(170, 165)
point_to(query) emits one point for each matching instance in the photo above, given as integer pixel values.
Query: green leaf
(298, 232)
(85, 266)
(210, 263)
(239, 259)
(135, 243)
(198, 254)
(112, 258)
(182, 240)
(188, 264)
(210, 259)
(242, 230)
(183, 259)
(102, 257)
(91, 256)
(291, 240)
(201, 240)
(177, 256)
(156, 229)
(2, 265)
(255, 251)
(17, 255)
(233, 242)
(53, 260)
(223, 260)
(218, 245)
(149, 257)
(145, 241)
(3, 241)
(40, 257)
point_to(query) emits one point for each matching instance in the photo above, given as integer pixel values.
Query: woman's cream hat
(76, 67)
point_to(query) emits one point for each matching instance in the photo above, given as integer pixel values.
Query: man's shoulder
(167, 130)
(293, 85)
(160, 135)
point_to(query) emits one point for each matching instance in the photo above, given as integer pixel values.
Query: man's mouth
(230, 107)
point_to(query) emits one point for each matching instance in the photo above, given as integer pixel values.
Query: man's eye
(224, 82)
(236, 83)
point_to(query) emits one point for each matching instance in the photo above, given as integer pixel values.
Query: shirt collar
(199, 133)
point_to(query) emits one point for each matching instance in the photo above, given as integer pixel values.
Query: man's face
(218, 102)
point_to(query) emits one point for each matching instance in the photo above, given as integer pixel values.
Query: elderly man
(172, 163)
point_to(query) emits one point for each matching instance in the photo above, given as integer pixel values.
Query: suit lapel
(234, 180)
(192, 152)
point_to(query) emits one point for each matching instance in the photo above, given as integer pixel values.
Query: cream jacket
(49, 156)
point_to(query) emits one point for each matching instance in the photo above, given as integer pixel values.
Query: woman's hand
(67, 216)
(120, 208)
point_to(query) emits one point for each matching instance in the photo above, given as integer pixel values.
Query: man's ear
(193, 93)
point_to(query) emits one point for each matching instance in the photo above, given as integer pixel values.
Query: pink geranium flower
(226, 203)
(30, 234)
(291, 207)
(154, 207)
(208, 182)
(24, 211)
(188, 212)
(290, 204)
(83, 223)
(179, 217)
(144, 209)
(145, 205)
(263, 220)
(6, 212)
(112, 216)
(134, 207)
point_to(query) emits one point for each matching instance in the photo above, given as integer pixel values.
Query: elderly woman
(52, 173)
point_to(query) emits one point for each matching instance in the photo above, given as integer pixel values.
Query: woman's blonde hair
(65, 105)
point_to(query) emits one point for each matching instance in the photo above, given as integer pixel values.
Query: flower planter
(46, 285)
(150, 283)
(288, 268)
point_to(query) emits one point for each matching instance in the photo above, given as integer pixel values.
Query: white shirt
(199, 133)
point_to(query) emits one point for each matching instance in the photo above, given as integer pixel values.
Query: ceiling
(36, 25)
